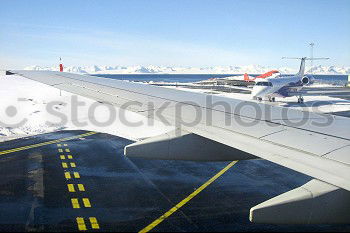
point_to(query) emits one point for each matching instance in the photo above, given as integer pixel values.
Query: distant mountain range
(250, 69)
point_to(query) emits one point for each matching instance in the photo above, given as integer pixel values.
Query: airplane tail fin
(302, 63)
(302, 67)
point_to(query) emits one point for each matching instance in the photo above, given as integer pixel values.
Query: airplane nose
(258, 92)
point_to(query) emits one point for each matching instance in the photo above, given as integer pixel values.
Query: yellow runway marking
(81, 224)
(76, 175)
(65, 145)
(81, 187)
(73, 165)
(71, 188)
(59, 145)
(94, 223)
(86, 202)
(75, 203)
(62, 157)
(69, 156)
(64, 165)
(187, 199)
(67, 175)
(67, 150)
(60, 150)
(45, 143)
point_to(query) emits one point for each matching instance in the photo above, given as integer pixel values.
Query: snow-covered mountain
(251, 69)
(330, 70)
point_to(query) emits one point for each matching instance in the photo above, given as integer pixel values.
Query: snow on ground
(23, 112)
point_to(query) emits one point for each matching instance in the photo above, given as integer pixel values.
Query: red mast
(61, 65)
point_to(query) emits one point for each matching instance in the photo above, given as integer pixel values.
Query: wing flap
(328, 170)
(315, 202)
(306, 141)
(341, 155)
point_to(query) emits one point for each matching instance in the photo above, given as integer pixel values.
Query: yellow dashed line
(45, 143)
(81, 187)
(94, 223)
(76, 175)
(187, 199)
(71, 188)
(75, 203)
(86, 202)
(81, 224)
(67, 175)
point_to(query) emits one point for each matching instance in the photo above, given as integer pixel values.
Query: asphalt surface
(114, 193)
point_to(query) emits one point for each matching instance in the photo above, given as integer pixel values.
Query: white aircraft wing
(214, 128)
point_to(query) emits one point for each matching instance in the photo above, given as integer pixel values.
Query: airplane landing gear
(300, 99)
(272, 99)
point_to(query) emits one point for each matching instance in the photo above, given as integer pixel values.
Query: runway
(80, 181)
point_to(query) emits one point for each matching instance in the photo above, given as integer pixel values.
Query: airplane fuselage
(282, 86)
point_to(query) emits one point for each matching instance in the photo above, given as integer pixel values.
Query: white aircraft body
(283, 86)
(215, 128)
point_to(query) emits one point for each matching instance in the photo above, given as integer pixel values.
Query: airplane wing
(214, 128)
(240, 88)
(325, 91)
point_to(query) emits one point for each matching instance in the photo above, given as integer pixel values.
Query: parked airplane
(284, 86)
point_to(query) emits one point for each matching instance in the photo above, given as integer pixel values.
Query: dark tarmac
(114, 193)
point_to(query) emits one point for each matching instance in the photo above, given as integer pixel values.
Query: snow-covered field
(24, 111)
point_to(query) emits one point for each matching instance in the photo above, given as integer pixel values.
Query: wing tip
(8, 72)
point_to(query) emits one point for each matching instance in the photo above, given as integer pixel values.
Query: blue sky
(172, 32)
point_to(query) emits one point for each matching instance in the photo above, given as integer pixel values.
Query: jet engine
(307, 80)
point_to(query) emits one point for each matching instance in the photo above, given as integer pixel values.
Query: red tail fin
(246, 77)
(268, 74)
